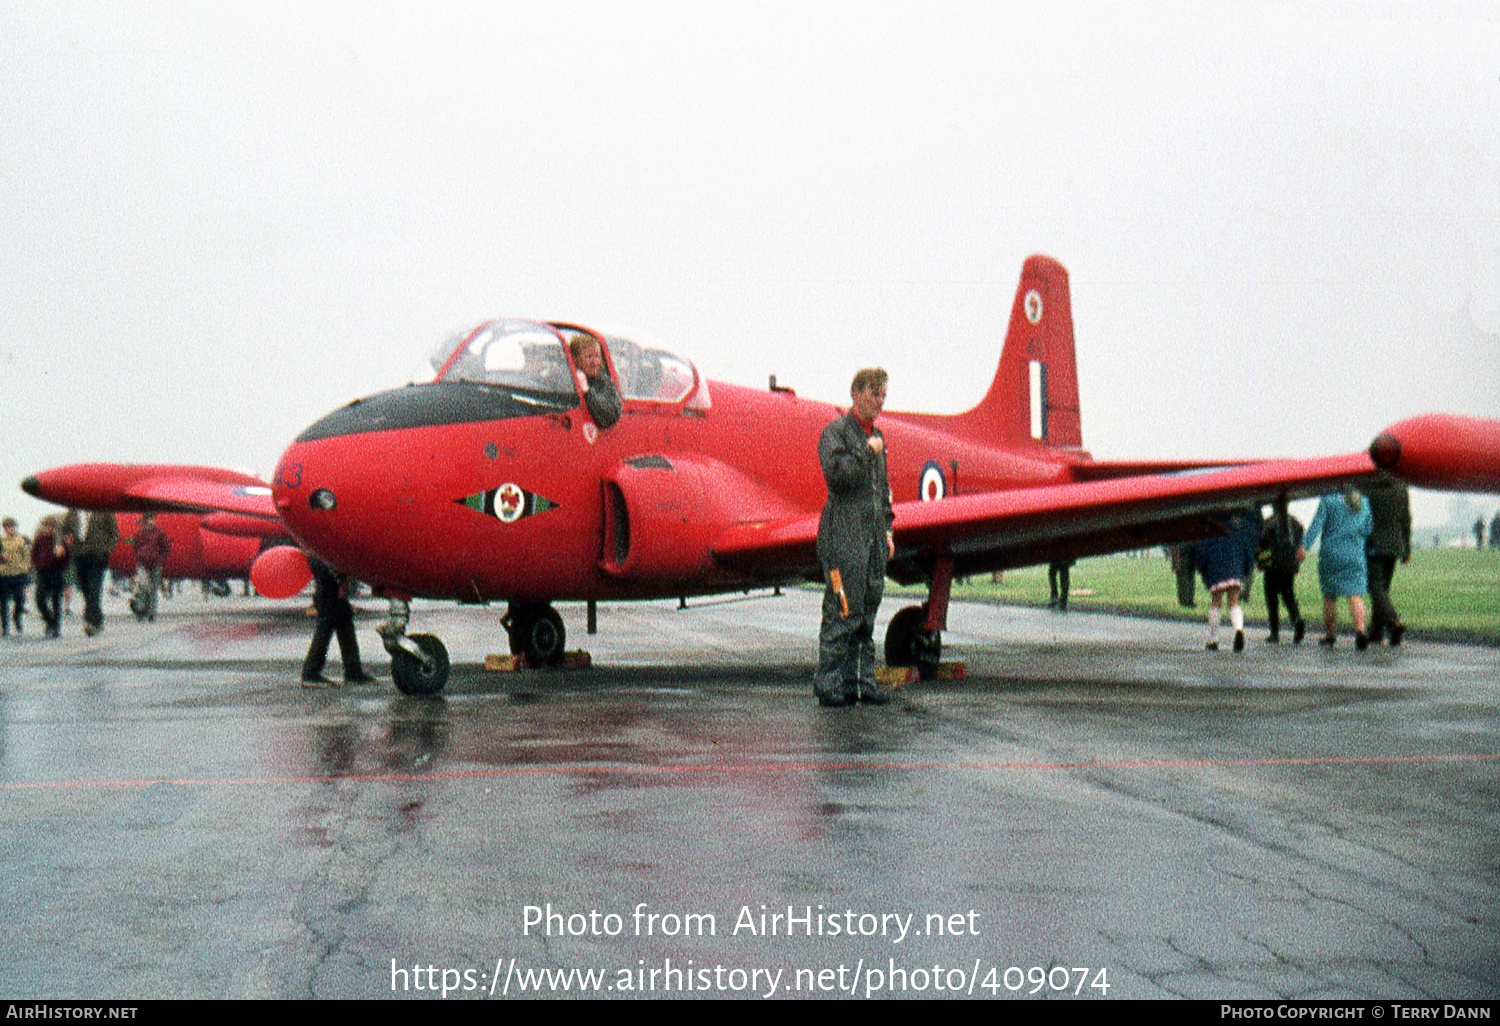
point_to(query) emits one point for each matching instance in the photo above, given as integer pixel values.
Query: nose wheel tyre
(415, 677)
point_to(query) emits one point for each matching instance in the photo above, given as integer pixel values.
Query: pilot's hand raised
(583, 380)
(877, 444)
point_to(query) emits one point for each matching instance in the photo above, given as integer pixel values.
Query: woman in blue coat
(1225, 560)
(1342, 523)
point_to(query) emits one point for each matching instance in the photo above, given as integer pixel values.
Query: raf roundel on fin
(508, 503)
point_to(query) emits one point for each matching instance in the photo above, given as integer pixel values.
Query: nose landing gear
(419, 662)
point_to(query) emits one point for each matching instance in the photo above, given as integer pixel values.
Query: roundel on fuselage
(932, 485)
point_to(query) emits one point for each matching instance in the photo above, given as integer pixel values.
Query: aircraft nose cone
(31, 486)
(308, 490)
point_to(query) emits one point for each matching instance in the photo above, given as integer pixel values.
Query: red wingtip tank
(1442, 451)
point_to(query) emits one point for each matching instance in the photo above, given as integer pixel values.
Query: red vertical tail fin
(1035, 391)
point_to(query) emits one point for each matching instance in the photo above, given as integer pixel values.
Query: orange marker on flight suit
(837, 580)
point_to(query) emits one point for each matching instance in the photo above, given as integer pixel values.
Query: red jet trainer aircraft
(491, 481)
(197, 552)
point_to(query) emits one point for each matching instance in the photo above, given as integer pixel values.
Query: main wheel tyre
(537, 632)
(545, 638)
(412, 677)
(909, 643)
(929, 653)
(900, 636)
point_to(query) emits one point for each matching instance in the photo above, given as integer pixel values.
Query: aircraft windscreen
(426, 372)
(518, 354)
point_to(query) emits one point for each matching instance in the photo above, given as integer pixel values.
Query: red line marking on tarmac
(766, 767)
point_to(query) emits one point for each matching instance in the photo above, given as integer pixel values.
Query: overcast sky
(221, 220)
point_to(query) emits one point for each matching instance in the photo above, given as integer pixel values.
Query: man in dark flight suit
(854, 543)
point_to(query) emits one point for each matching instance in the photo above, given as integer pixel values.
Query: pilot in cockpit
(599, 392)
(544, 367)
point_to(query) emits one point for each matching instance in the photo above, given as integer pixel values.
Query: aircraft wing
(1023, 527)
(189, 495)
(234, 503)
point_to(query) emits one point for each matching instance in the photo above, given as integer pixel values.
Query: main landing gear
(908, 642)
(419, 662)
(536, 632)
(915, 634)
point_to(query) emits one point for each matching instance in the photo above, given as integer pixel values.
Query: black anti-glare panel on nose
(450, 402)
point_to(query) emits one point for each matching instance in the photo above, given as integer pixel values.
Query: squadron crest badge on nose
(508, 503)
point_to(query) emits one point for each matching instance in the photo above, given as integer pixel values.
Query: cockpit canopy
(533, 357)
(654, 374)
(511, 368)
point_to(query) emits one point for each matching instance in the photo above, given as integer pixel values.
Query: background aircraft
(490, 481)
(198, 552)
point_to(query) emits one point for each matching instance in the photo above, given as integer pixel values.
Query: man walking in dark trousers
(335, 617)
(1279, 541)
(1389, 541)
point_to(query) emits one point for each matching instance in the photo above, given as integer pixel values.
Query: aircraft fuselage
(531, 507)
